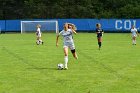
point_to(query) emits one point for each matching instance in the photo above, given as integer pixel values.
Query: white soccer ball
(60, 66)
(38, 42)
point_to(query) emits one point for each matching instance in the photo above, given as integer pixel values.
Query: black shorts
(99, 36)
(73, 51)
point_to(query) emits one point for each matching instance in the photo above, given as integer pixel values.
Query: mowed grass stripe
(114, 69)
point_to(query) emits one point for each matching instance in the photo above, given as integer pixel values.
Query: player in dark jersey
(99, 32)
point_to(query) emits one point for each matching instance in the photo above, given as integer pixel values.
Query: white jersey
(67, 35)
(38, 30)
(134, 31)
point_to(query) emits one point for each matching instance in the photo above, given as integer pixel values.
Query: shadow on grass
(25, 61)
(43, 68)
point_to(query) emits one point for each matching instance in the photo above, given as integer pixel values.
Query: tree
(31, 9)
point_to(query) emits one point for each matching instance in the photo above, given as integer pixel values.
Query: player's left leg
(134, 40)
(72, 48)
(37, 40)
(100, 42)
(74, 54)
(40, 40)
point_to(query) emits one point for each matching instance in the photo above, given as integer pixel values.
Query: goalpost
(46, 26)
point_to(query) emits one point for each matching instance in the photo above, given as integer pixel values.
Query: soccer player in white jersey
(38, 34)
(68, 42)
(134, 34)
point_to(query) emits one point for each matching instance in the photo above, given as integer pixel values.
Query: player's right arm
(137, 32)
(57, 37)
(74, 31)
(102, 31)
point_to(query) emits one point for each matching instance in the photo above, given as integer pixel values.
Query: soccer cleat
(133, 44)
(66, 68)
(76, 57)
(42, 43)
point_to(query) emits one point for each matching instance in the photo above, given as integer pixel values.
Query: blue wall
(116, 25)
(2, 25)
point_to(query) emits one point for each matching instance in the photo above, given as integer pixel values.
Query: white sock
(66, 61)
(133, 41)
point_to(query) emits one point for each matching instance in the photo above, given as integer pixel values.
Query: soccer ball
(60, 66)
(37, 42)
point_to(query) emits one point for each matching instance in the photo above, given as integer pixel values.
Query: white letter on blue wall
(118, 24)
(134, 22)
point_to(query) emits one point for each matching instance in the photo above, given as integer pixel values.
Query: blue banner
(115, 25)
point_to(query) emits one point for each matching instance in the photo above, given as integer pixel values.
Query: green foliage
(28, 9)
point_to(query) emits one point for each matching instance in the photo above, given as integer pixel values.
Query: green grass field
(28, 68)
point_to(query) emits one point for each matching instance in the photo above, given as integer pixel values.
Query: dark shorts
(99, 36)
(73, 51)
